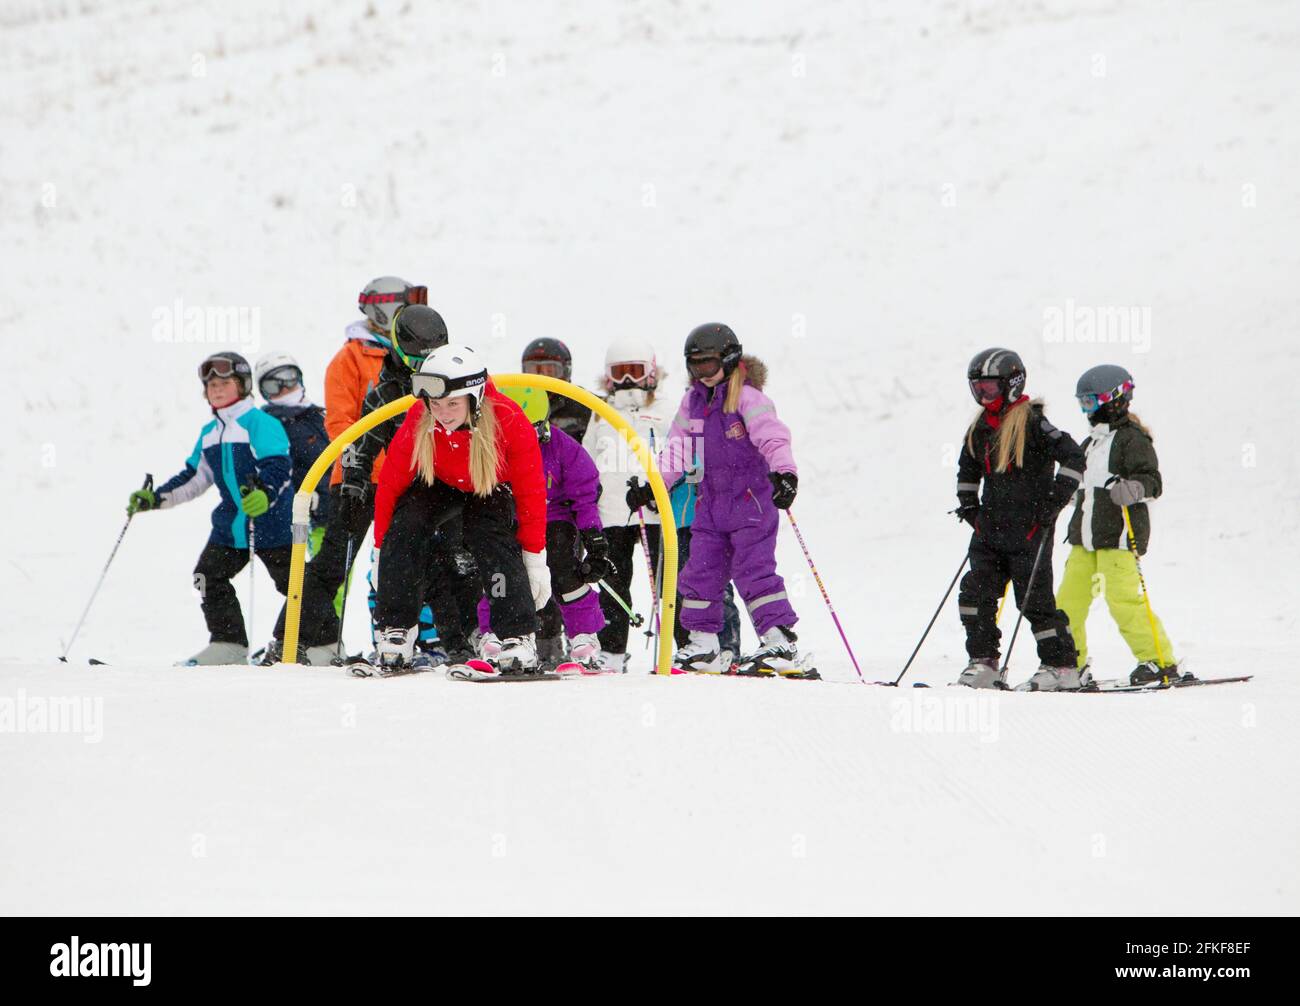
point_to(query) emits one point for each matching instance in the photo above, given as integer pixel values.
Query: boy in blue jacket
(245, 453)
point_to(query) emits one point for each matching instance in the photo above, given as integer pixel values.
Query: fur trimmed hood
(755, 371)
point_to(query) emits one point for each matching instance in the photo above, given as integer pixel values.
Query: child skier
(727, 436)
(1012, 448)
(551, 358)
(465, 450)
(417, 330)
(1122, 473)
(572, 485)
(245, 453)
(279, 380)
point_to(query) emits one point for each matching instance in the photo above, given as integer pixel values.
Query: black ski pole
(343, 602)
(1029, 588)
(933, 618)
(148, 484)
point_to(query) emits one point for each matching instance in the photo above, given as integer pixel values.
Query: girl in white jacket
(631, 385)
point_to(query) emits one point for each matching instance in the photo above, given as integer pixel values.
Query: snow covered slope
(868, 195)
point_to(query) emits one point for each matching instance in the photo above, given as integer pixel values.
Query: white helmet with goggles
(450, 371)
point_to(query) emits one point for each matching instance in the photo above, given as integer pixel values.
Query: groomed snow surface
(868, 195)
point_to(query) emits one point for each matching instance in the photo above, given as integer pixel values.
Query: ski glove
(596, 564)
(640, 494)
(539, 577)
(140, 500)
(1126, 492)
(970, 513)
(784, 487)
(1046, 511)
(253, 502)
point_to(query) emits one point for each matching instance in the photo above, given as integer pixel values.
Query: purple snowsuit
(572, 487)
(728, 455)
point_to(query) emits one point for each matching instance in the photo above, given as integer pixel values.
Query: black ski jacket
(1015, 504)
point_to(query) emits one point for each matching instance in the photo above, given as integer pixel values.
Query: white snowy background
(868, 194)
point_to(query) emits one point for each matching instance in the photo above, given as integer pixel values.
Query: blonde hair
(483, 455)
(1010, 436)
(1132, 418)
(735, 384)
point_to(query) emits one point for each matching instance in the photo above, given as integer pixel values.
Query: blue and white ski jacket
(240, 443)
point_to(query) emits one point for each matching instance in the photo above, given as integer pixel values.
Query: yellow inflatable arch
(302, 503)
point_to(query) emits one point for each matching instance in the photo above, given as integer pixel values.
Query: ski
(1122, 684)
(482, 672)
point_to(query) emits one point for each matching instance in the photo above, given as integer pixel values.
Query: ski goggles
(703, 366)
(1091, 403)
(219, 366)
(440, 386)
(634, 373)
(279, 381)
(545, 368)
(411, 295)
(985, 389)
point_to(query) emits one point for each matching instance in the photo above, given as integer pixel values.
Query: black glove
(596, 564)
(1046, 510)
(784, 487)
(969, 512)
(640, 494)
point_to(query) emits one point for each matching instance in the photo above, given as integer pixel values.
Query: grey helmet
(382, 298)
(1105, 389)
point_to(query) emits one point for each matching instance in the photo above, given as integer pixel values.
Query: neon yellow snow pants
(1111, 572)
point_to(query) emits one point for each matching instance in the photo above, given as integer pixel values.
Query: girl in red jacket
(465, 449)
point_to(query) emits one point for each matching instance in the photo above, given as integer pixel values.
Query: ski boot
(584, 649)
(517, 655)
(702, 655)
(1149, 673)
(778, 654)
(317, 656)
(488, 646)
(550, 650)
(1057, 679)
(216, 654)
(612, 663)
(982, 672)
(396, 653)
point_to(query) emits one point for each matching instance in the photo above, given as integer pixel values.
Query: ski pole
(1029, 590)
(1146, 599)
(933, 618)
(635, 620)
(252, 573)
(343, 603)
(825, 596)
(147, 484)
(1002, 604)
(649, 566)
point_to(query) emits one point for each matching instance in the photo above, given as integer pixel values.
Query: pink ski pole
(825, 596)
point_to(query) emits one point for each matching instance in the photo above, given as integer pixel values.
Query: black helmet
(228, 365)
(417, 331)
(1104, 392)
(996, 365)
(548, 357)
(712, 339)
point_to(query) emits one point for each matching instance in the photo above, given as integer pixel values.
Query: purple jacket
(736, 450)
(572, 482)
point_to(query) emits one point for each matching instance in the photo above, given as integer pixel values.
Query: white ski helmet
(381, 298)
(450, 371)
(631, 363)
(270, 365)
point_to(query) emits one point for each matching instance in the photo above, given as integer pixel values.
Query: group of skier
(506, 521)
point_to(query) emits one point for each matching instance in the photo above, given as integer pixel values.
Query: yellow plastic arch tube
(302, 503)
